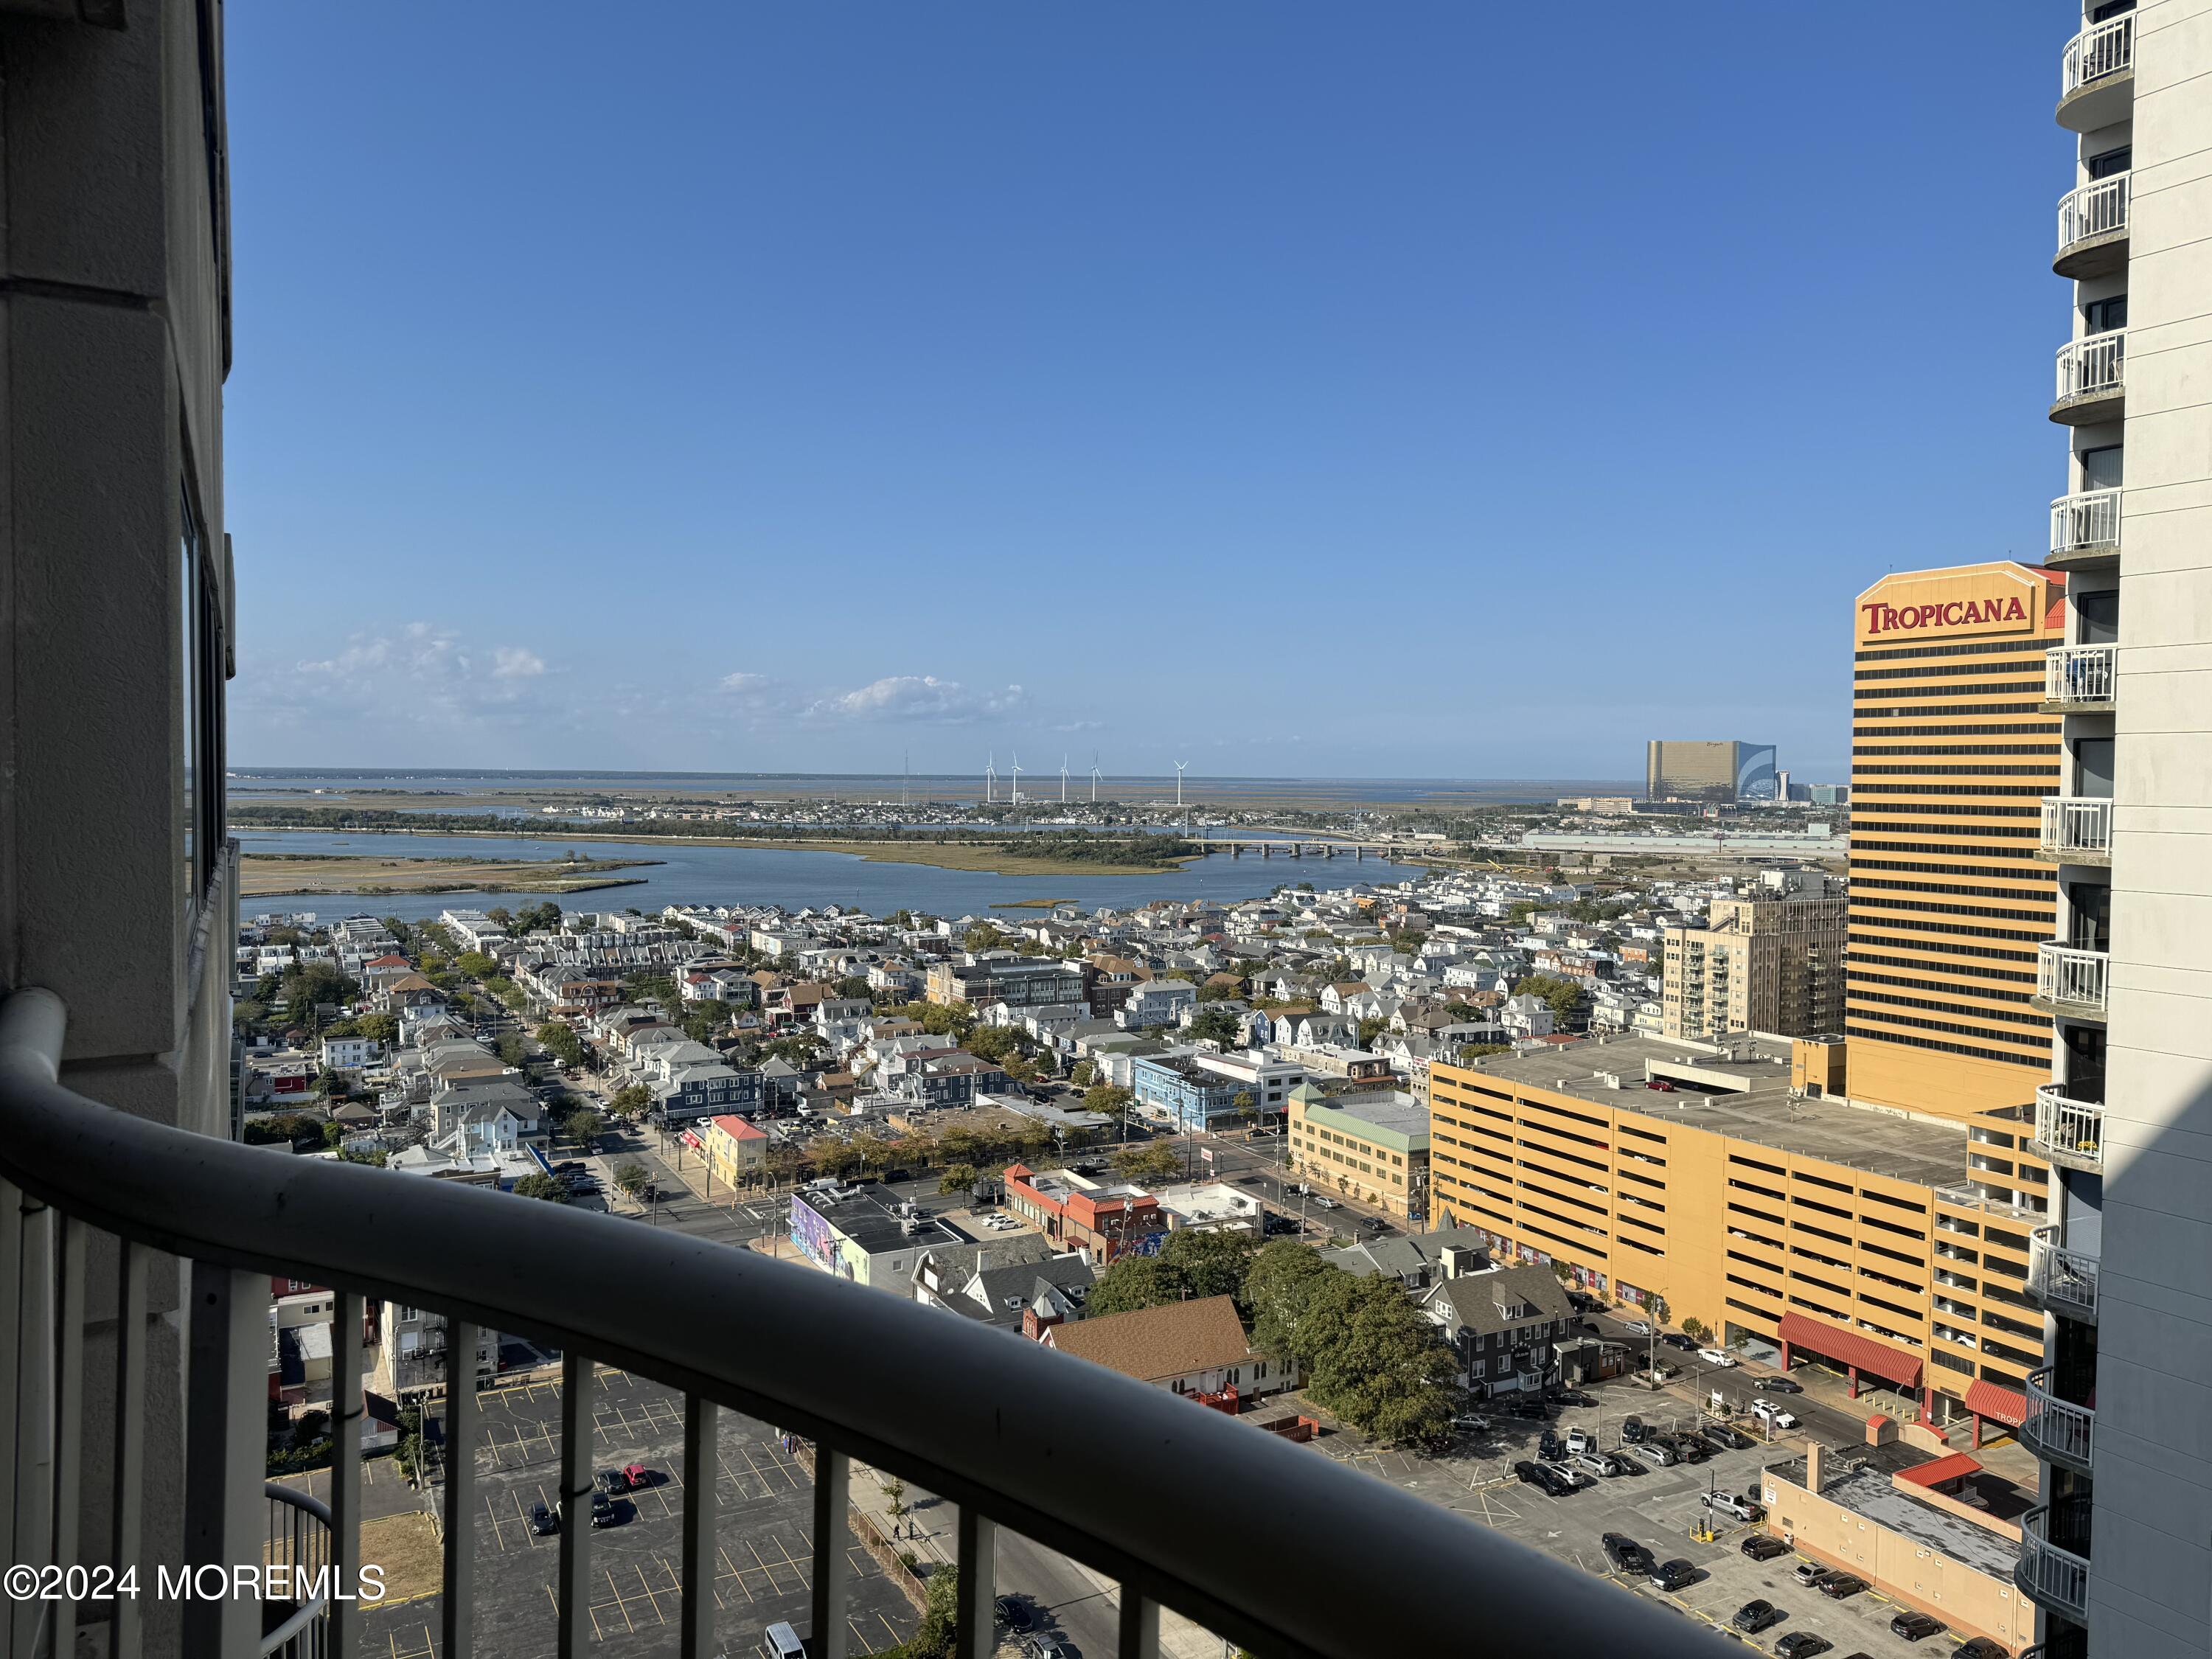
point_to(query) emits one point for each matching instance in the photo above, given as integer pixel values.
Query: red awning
(1843, 1348)
(1938, 1470)
(1985, 1399)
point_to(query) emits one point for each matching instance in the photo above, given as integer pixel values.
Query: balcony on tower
(2097, 75)
(2085, 531)
(2061, 1280)
(2068, 1131)
(2077, 830)
(2092, 229)
(2080, 679)
(2093, 380)
(2053, 1569)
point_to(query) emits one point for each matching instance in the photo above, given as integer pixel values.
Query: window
(200, 680)
(2103, 316)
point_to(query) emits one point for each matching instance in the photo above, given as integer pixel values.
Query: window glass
(189, 649)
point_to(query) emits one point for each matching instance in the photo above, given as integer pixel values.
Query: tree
(629, 1176)
(1474, 1051)
(511, 1052)
(1248, 1108)
(562, 1043)
(854, 987)
(1563, 995)
(1155, 1162)
(993, 1043)
(475, 964)
(1084, 1074)
(958, 1178)
(538, 1184)
(1134, 1282)
(1278, 1286)
(1213, 1024)
(1371, 1028)
(632, 1100)
(895, 1503)
(1369, 1356)
(1108, 1099)
(1695, 1329)
(583, 1126)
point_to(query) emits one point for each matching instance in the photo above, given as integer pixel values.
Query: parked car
(1559, 1482)
(1637, 1327)
(1764, 1547)
(1753, 1616)
(1631, 1431)
(1472, 1423)
(636, 1477)
(1727, 1503)
(607, 1482)
(1840, 1586)
(1581, 1440)
(1720, 1357)
(1783, 1385)
(1810, 1573)
(1675, 1574)
(1980, 1647)
(1774, 1416)
(1589, 1464)
(1621, 1462)
(1529, 1472)
(542, 1522)
(1677, 1339)
(1802, 1644)
(1573, 1397)
(1045, 1646)
(1014, 1613)
(1659, 1457)
(1320, 1203)
(603, 1509)
(1626, 1554)
(1688, 1447)
(1915, 1625)
(1548, 1444)
(1727, 1438)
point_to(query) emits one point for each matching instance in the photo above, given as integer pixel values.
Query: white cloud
(512, 662)
(420, 676)
(917, 698)
(747, 684)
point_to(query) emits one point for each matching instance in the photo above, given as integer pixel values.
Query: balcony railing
(2071, 1130)
(2100, 50)
(2072, 979)
(2077, 827)
(2054, 1577)
(2094, 209)
(2055, 1429)
(2079, 675)
(2086, 523)
(2062, 1280)
(298, 1539)
(2093, 368)
(1137, 1483)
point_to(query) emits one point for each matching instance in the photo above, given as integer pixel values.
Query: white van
(1774, 1416)
(783, 1642)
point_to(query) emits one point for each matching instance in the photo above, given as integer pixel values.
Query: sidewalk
(931, 1530)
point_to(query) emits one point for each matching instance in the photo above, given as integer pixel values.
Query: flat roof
(1868, 1491)
(869, 1226)
(1744, 1096)
(1400, 1123)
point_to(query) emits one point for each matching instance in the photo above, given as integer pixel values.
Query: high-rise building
(1952, 753)
(1717, 771)
(2121, 1413)
(1774, 965)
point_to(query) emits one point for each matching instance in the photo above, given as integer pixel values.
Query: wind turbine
(1018, 777)
(1094, 777)
(990, 778)
(1179, 766)
(1063, 780)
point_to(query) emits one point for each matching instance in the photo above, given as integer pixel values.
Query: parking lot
(1659, 1508)
(765, 1534)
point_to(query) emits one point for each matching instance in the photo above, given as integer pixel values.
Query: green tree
(538, 1184)
(629, 1176)
(854, 987)
(1277, 1287)
(996, 1043)
(511, 1052)
(1135, 1282)
(1083, 1073)
(1695, 1329)
(1371, 1028)
(985, 936)
(958, 1178)
(1213, 1024)
(1109, 1099)
(1564, 996)
(475, 964)
(1248, 1108)
(1369, 1356)
(562, 1042)
(583, 1126)
(1156, 1161)
(632, 1100)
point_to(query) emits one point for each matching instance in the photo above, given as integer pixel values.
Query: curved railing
(2054, 1427)
(2093, 367)
(2097, 208)
(2070, 977)
(2062, 1280)
(2101, 49)
(2053, 1575)
(1135, 1482)
(2086, 523)
(299, 1539)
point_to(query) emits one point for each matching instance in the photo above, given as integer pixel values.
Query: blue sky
(1427, 390)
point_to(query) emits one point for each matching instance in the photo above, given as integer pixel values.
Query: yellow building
(1373, 1147)
(1756, 965)
(1705, 1175)
(1951, 757)
(736, 1152)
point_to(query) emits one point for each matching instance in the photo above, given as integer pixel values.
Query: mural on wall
(811, 1234)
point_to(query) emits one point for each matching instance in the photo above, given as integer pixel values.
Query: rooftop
(1745, 1097)
(1868, 1491)
(1392, 1120)
(1154, 1343)
(869, 1225)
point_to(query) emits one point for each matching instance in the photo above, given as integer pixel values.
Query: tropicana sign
(1956, 613)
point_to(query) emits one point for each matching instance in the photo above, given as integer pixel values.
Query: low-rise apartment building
(851, 1232)
(1022, 981)
(1077, 1213)
(736, 1152)
(1373, 1147)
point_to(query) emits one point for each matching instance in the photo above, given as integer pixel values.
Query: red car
(638, 1476)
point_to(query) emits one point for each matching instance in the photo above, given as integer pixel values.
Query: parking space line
(730, 1570)
(498, 1531)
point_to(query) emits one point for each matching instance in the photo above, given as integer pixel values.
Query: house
(1019, 1285)
(1156, 1002)
(1196, 1348)
(351, 1054)
(736, 1152)
(1502, 1322)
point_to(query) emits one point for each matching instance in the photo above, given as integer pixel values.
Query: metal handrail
(2059, 1274)
(1133, 1481)
(2074, 977)
(2096, 208)
(2101, 49)
(2093, 365)
(2075, 1128)
(2054, 1422)
(2081, 673)
(306, 1504)
(2077, 824)
(2050, 1572)
(2090, 519)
